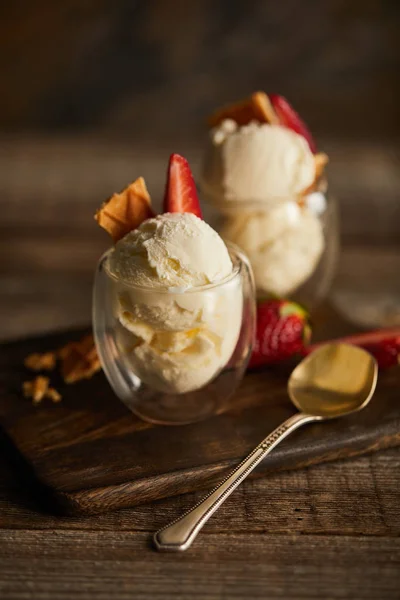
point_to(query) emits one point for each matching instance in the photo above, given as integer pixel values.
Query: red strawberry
(289, 118)
(282, 330)
(386, 353)
(383, 344)
(180, 192)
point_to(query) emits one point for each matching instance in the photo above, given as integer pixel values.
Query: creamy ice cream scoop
(284, 245)
(258, 163)
(176, 333)
(171, 250)
(255, 174)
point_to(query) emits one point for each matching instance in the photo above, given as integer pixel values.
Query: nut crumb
(41, 362)
(36, 389)
(79, 360)
(54, 395)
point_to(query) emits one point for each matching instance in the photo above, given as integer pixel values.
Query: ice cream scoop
(178, 328)
(284, 245)
(261, 172)
(255, 163)
(171, 250)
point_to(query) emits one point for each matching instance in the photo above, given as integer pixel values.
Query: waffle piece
(125, 211)
(256, 108)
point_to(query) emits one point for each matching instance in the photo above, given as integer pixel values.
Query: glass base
(181, 409)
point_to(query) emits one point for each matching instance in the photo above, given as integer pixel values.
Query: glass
(292, 245)
(175, 356)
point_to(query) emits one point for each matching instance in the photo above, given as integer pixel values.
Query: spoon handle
(180, 534)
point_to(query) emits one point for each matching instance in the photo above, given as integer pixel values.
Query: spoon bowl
(335, 380)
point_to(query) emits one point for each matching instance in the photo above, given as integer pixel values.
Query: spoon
(333, 381)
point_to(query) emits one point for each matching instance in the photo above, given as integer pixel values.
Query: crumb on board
(54, 395)
(36, 389)
(39, 388)
(41, 362)
(78, 360)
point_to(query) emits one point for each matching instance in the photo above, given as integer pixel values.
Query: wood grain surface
(92, 455)
(137, 67)
(328, 531)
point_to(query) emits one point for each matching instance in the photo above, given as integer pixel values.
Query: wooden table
(331, 531)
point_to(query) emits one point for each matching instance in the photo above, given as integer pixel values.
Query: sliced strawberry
(386, 353)
(180, 191)
(289, 118)
(383, 344)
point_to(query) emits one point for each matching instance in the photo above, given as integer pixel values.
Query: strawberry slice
(289, 118)
(383, 344)
(180, 191)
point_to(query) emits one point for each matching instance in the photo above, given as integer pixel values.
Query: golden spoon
(334, 381)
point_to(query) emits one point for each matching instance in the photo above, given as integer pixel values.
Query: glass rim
(234, 252)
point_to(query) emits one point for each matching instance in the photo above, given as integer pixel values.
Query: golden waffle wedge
(256, 108)
(125, 211)
(321, 160)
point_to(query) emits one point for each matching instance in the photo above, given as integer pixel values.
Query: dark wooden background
(94, 93)
(131, 67)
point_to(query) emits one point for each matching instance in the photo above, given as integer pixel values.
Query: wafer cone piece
(256, 108)
(320, 160)
(125, 211)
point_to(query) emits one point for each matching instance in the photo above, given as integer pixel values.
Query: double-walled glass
(175, 356)
(292, 245)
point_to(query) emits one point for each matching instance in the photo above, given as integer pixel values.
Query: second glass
(292, 245)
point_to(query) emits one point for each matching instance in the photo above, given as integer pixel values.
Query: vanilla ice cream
(175, 333)
(255, 163)
(284, 245)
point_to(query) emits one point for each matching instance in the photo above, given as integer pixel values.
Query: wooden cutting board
(90, 454)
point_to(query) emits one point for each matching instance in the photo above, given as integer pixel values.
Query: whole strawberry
(283, 329)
